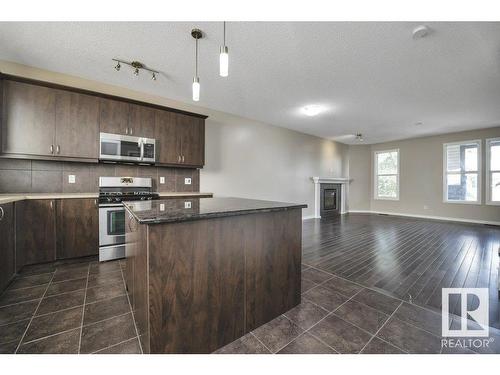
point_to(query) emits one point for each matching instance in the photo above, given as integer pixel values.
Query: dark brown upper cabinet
(46, 121)
(28, 124)
(167, 143)
(77, 228)
(191, 131)
(77, 125)
(35, 232)
(114, 116)
(180, 139)
(141, 121)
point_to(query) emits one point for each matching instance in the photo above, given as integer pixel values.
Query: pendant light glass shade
(224, 56)
(224, 62)
(196, 89)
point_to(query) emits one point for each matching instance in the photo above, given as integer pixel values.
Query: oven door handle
(142, 148)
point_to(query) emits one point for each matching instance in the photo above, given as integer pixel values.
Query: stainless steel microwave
(126, 148)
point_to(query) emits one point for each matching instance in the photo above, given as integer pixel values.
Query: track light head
(153, 76)
(136, 71)
(117, 67)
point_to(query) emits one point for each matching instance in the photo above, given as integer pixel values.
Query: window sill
(385, 199)
(463, 202)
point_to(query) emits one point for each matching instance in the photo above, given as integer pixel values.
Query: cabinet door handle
(51, 149)
(2, 213)
(130, 131)
(58, 149)
(126, 130)
(95, 202)
(51, 205)
(183, 158)
(179, 158)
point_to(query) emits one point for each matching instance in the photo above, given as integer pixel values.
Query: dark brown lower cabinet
(77, 228)
(35, 232)
(7, 250)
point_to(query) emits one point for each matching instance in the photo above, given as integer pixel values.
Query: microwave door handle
(141, 143)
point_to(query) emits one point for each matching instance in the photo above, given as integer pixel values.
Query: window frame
(489, 171)
(376, 175)
(478, 142)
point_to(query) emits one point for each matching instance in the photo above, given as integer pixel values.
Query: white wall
(250, 159)
(421, 178)
(244, 158)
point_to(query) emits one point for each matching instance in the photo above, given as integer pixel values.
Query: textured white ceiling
(373, 77)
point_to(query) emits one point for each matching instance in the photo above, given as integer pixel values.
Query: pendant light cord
(196, 59)
(224, 33)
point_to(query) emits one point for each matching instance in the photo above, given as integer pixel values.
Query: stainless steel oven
(116, 147)
(113, 191)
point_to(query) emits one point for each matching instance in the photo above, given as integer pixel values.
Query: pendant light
(196, 34)
(224, 57)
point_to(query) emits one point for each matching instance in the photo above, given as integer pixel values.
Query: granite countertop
(9, 198)
(176, 210)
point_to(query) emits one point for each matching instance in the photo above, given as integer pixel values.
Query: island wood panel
(7, 257)
(273, 267)
(141, 289)
(196, 280)
(35, 232)
(77, 228)
(77, 125)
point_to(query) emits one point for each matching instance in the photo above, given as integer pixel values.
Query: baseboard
(443, 218)
(308, 217)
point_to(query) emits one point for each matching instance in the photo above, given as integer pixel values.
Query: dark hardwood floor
(412, 259)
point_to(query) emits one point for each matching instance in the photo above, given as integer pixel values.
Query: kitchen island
(202, 272)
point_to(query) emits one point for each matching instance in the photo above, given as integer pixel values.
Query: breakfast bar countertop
(177, 210)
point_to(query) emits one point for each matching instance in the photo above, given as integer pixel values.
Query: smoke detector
(420, 32)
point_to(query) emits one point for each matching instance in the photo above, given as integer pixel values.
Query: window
(493, 171)
(387, 174)
(462, 172)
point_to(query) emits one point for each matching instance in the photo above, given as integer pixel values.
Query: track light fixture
(136, 66)
(196, 34)
(359, 137)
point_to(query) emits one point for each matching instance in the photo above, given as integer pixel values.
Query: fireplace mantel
(330, 180)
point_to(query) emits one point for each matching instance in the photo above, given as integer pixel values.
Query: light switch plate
(187, 181)
(162, 180)
(187, 204)
(162, 206)
(71, 179)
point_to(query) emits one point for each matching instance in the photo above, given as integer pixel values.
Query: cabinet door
(167, 138)
(142, 121)
(35, 232)
(77, 228)
(113, 116)
(6, 244)
(29, 119)
(77, 125)
(192, 130)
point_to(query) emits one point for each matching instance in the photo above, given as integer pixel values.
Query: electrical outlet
(71, 179)
(162, 206)
(162, 180)
(187, 181)
(187, 204)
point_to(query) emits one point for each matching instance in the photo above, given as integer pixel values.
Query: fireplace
(330, 196)
(330, 200)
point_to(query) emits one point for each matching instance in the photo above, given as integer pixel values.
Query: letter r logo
(473, 320)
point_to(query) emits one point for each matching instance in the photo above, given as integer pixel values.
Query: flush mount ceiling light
(420, 32)
(196, 34)
(312, 110)
(224, 56)
(136, 66)
(359, 137)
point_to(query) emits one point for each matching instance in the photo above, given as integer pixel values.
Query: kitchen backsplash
(34, 176)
